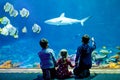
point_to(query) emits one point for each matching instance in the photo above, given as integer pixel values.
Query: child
(47, 59)
(63, 64)
(83, 59)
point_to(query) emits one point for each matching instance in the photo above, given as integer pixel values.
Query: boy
(83, 58)
(47, 60)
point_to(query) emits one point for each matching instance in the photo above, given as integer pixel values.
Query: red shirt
(62, 70)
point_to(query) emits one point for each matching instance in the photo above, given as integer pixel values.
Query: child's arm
(77, 57)
(71, 65)
(58, 63)
(53, 57)
(93, 43)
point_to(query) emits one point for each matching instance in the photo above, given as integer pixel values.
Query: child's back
(63, 65)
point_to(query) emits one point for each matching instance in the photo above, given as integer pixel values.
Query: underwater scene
(63, 22)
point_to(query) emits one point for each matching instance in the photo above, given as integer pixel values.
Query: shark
(62, 20)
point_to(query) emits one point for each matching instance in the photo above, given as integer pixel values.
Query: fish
(10, 8)
(24, 12)
(36, 28)
(62, 20)
(9, 30)
(118, 47)
(13, 13)
(4, 20)
(4, 31)
(96, 56)
(24, 29)
(100, 57)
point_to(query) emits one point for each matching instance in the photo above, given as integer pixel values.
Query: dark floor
(18, 76)
(32, 76)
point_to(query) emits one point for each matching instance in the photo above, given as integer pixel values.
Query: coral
(113, 65)
(7, 64)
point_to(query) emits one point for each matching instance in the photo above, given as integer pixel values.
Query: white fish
(24, 30)
(4, 20)
(4, 31)
(36, 28)
(62, 20)
(13, 13)
(24, 12)
(12, 31)
(9, 30)
(8, 7)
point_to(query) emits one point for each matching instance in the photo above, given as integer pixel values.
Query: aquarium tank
(63, 22)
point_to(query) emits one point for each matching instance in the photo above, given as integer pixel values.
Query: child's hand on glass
(92, 39)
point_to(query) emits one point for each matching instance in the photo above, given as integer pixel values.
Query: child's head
(43, 43)
(63, 53)
(85, 39)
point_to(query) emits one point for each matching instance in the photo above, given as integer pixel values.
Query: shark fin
(62, 15)
(83, 20)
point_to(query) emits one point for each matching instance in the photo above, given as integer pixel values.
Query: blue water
(103, 26)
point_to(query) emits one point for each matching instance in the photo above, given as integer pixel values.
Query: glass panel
(63, 23)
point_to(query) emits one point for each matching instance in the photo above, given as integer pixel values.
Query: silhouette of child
(47, 60)
(83, 58)
(63, 65)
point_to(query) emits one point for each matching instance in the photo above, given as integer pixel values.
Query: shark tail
(83, 20)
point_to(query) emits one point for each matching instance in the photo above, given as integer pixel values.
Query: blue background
(103, 26)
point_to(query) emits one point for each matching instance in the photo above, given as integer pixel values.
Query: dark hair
(85, 39)
(43, 43)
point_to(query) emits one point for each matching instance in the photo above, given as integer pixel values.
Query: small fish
(104, 47)
(24, 30)
(36, 28)
(13, 13)
(8, 7)
(24, 12)
(4, 31)
(4, 20)
(118, 47)
(9, 30)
